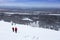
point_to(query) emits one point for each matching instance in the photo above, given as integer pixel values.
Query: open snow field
(26, 32)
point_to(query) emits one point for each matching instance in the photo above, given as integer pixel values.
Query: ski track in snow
(26, 32)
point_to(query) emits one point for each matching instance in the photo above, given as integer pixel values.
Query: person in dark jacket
(13, 29)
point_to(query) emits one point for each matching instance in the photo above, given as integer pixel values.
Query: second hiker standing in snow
(15, 29)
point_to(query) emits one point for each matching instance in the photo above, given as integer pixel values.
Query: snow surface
(26, 32)
(27, 19)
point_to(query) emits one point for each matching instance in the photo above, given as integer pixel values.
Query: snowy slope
(26, 32)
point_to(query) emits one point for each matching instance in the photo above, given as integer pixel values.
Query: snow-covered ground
(26, 32)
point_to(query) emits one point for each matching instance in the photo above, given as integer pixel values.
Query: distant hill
(30, 10)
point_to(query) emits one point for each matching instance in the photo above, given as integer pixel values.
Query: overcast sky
(30, 3)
